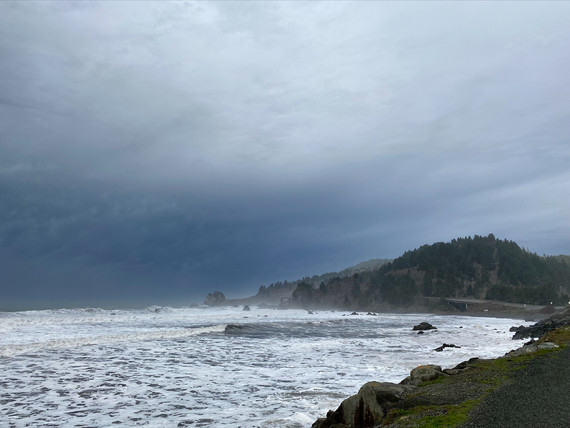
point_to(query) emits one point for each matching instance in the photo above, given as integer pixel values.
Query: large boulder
(365, 409)
(216, 298)
(423, 374)
(531, 349)
(424, 326)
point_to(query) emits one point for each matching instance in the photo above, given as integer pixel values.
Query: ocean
(214, 367)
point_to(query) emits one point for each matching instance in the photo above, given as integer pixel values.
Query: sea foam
(183, 367)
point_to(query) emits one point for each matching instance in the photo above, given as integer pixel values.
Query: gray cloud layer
(166, 148)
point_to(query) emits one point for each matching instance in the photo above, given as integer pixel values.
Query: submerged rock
(446, 345)
(233, 328)
(424, 326)
(246, 308)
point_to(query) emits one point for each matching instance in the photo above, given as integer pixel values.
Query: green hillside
(285, 288)
(478, 267)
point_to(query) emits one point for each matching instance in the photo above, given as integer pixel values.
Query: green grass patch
(432, 416)
(440, 379)
(560, 336)
(510, 364)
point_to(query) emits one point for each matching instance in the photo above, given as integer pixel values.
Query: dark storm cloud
(170, 148)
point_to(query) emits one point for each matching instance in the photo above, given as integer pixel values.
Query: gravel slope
(539, 396)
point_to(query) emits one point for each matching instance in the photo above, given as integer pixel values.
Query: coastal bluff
(504, 392)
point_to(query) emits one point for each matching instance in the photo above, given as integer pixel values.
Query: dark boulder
(424, 326)
(246, 308)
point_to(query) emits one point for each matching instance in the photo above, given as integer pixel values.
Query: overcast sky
(156, 151)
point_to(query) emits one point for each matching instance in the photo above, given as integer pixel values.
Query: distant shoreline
(485, 309)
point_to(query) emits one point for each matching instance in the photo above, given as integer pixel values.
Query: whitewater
(214, 367)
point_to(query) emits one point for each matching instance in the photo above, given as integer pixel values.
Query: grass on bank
(560, 336)
(433, 416)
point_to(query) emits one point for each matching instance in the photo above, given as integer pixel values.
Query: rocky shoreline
(432, 396)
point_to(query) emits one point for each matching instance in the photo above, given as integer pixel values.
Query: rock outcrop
(365, 409)
(216, 298)
(557, 320)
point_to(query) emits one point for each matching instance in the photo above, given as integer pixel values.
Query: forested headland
(479, 267)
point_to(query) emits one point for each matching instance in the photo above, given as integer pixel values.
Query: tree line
(481, 267)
